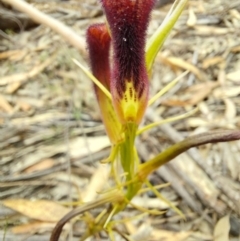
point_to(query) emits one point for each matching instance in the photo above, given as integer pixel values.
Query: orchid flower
(122, 87)
(121, 60)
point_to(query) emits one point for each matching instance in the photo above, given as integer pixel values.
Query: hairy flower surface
(128, 21)
(98, 41)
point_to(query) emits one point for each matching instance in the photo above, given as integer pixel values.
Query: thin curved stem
(182, 146)
(80, 210)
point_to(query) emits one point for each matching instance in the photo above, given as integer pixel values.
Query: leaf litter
(52, 138)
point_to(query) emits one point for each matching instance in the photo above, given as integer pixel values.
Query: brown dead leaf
(230, 110)
(12, 54)
(77, 146)
(212, 61)
(234, 13)
(11, 88)
(42, 165)
(185, 65)
(42, 210)
(234, 76)
(199, 87)
(174, 102)
(5, 105)
(221, 92)
(221, 77)
(221, 230)
(169, 236)
(33, 227)
(196, 93)
(196, 122)
(131, 228)
(199, 96)
(235, 49)
(24, 106)
(200, 91)
(192, 19)
(142, 233)
(210, 30)
(96, 184)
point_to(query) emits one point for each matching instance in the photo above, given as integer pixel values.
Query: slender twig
(67, 33)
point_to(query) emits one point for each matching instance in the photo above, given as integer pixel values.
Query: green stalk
(127, 153)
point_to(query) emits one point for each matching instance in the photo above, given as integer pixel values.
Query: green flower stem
(127, 153)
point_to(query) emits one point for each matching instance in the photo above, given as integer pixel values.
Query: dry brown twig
(67, 33)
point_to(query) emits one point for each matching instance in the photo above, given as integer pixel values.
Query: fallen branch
(67, 33)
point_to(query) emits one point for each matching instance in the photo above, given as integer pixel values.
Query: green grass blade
(156, 41)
